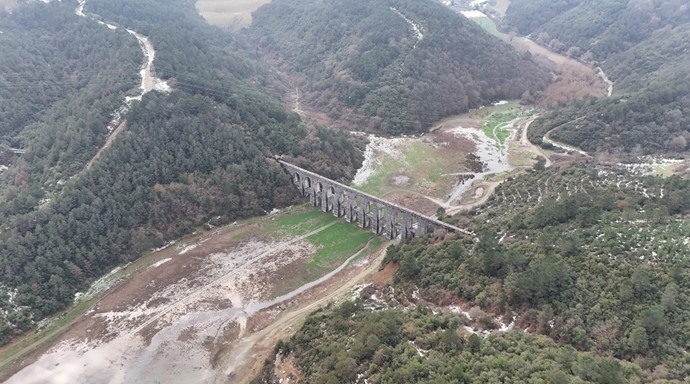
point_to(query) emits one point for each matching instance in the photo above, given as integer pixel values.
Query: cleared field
(335, 245)
(229, 14)
(417, 167)
(488, 24)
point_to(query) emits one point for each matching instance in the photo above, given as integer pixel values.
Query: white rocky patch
(161, 262)
(495, 160)
(505, 327)
(477, 3)
(473, 14)
(377, 146)
(417, 28)
(168, 244)
(187, 248)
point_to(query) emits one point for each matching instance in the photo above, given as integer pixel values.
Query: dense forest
(61, 78)
(602, 27)
(198, 153)
(352, 343)
(389, 66)
(643, 47)
(654, 120)
(593, 259)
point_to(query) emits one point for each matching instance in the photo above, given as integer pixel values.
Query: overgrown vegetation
(594, 259)
(495, 126)
(351, 342)
(61, 77)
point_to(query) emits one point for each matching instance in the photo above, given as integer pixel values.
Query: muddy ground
(181, 319)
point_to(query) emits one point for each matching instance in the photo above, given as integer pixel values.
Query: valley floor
(196, 311)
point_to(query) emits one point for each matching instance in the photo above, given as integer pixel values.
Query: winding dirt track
(257, 345)
(524, 141)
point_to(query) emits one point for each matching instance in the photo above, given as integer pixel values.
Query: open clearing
(8, 5)
(438, 169)
(229, 14)
(182, 310)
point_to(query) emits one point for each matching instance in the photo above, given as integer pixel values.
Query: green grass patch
(495, 125)
(424, 164)
(419, 163)
(295, 221)
(298, 224)
(488, 25)
(377, 183)
(336, 244)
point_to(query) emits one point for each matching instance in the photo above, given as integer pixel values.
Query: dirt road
(173, 320)
(256, 347)
(524, 141)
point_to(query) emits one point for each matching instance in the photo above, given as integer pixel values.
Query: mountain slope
(61, 78)
(643, 47)
(391, 66)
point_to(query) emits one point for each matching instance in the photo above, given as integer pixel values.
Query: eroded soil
(181, 319)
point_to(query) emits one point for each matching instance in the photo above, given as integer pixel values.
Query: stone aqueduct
(384, 218)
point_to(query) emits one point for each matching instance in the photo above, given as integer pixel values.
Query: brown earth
(413, 201)
(182, 318)
(245, 361)
(385, 276)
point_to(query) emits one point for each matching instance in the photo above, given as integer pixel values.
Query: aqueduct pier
(384, 218)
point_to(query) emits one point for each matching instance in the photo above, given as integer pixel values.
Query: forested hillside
(201, 152)
(61, 78)
(594, 259)
(389, 66)
(643, 47)
(353, 343)
(602, 27)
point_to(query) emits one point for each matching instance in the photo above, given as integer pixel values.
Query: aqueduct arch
(382, 217)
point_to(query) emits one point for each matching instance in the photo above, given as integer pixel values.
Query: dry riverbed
(180, 319)
(451, 166)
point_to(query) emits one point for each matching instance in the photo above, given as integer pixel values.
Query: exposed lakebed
(439, 169)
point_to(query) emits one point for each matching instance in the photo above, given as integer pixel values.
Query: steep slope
(389, 66)
(201, 153)
(600, 27)
(527, 16)
(643, 47)
(61, 77)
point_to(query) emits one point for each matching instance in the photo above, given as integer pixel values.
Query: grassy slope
(223, 13)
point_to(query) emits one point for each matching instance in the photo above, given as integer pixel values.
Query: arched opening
(318, 194)
(332, 204)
